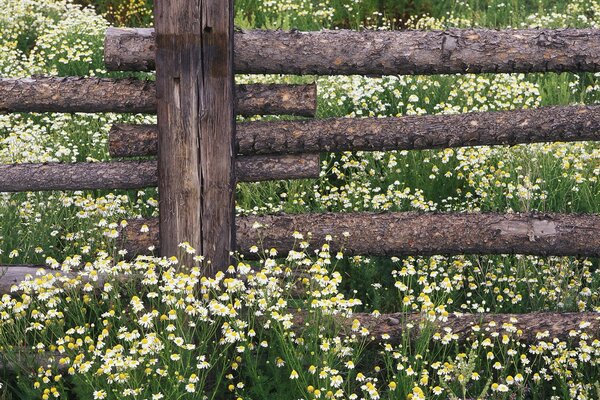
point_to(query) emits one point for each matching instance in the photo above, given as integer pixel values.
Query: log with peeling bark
(548, 124)
(11, 275)
(344, 52)
(533, 326)
(270, 168)
(141, 174)
(91, 95)
(408, 233)
(527, 328)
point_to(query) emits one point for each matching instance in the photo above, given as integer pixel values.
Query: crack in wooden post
(195, 107)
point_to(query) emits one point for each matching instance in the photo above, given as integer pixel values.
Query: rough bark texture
(13, 274)
(548, 325)
(126, 140)
(411, 233)
(77, 95)
(345, 52)
(548, 124)
(129, 49)
(277, 99)
(268, 168)
(80, 176)
(532, 329)
(92, 95)
(140, 174)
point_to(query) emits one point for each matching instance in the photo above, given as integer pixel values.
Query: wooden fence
(202, 152)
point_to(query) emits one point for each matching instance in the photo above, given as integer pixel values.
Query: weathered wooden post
(195, 104)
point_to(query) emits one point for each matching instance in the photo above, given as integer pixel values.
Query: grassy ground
(244, 359)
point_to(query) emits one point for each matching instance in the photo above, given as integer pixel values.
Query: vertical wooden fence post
(195, 100)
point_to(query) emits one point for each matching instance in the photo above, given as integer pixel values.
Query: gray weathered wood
(141, 174)
(196, 126)
(11, 275)
(411, 233)
(90, 95)
(548, 124)
(343, 52)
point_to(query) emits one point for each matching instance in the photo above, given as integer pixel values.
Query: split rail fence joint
(289, 149)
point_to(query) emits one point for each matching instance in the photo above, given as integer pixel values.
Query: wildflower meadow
(100, 325)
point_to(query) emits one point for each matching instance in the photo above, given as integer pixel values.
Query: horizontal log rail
(91, 95)
(408, 233)
(344, 52)
(11, 275)
(549, 325)
(141, 174)
(548, 124)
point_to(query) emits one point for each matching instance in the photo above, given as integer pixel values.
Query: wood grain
(196, 111)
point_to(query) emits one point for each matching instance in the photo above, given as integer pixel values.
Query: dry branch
(384, 53)
(410, 233)
(92, 95)
(140, 174)
(548, 124)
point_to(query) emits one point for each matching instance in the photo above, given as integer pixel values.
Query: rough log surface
(13, 274)
(411, 233)
(126, 140)
(141, 174)
(548, 124)
(80, 176)
(77, 95)
(548, 325)
(343, 52)
(269, 168)
(277, 99)
(92, 95)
